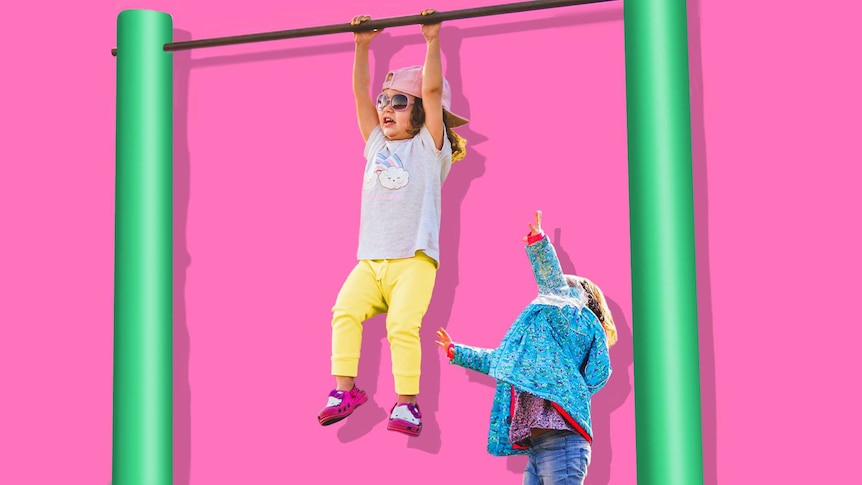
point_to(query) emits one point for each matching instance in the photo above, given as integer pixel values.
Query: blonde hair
(597, 304)
(459, 144)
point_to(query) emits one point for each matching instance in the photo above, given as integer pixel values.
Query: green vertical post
(143, 266)
(664, 294)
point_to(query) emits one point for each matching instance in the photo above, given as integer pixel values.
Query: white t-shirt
(401, 196)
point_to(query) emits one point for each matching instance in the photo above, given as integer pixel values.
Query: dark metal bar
(376, 24)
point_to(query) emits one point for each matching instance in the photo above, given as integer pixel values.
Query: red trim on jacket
(535, 239)
(572, 422)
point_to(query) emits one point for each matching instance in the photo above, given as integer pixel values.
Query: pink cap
(409, 80)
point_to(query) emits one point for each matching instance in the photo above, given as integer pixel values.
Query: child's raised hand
(430, 31)
(365, 36)
(535, 227)
(445, 340)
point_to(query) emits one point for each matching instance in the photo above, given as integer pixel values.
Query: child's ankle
(344, 383)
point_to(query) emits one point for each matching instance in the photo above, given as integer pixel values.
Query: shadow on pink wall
(182, 259)
(701, 233)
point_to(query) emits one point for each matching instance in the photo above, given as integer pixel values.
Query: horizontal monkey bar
(375, 24)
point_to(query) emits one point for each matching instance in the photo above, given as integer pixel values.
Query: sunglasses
(399, 102)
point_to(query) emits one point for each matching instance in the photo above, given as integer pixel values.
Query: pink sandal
(405, 418)
(340, 405)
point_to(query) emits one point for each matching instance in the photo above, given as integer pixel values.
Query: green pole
(664, 294)
(143, 274)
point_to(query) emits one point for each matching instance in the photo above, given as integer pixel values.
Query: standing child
(410, 147)
(551, 361)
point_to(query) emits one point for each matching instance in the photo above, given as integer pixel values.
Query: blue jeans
(557, 458)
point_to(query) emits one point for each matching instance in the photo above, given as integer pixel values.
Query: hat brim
(453, 120)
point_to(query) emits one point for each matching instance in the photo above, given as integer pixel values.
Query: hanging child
(409, 149)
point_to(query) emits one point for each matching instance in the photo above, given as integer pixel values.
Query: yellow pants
(402, 289)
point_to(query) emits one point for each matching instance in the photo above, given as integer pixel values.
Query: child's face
(395, 122)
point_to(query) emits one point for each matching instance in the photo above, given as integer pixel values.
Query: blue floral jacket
(556, 350)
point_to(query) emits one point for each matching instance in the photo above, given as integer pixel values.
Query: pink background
(267, 178)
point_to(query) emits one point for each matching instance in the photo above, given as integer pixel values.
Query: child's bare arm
(366, 112)
(432, 82)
